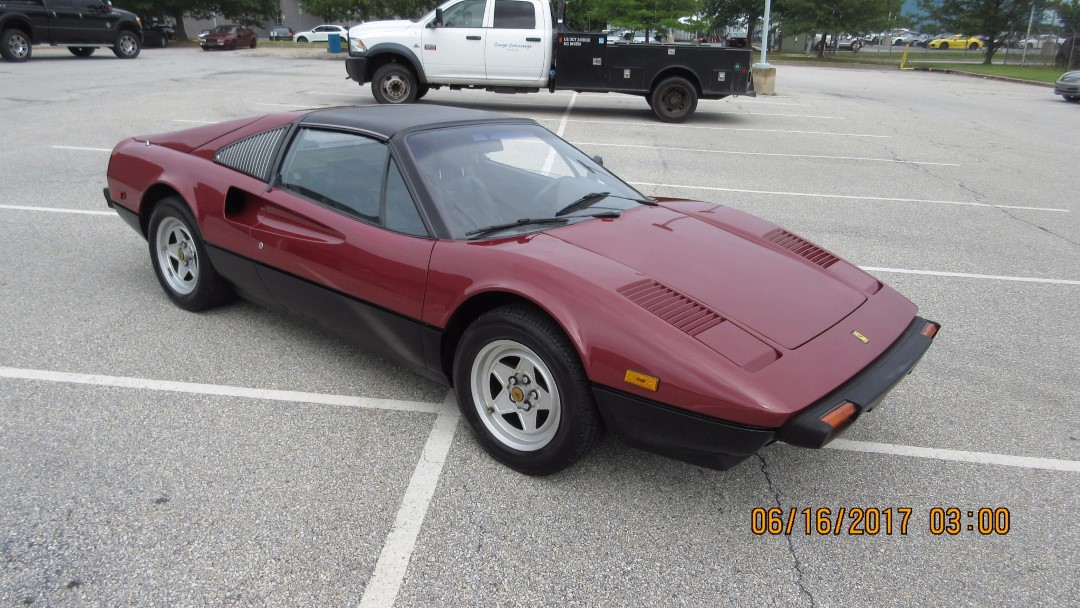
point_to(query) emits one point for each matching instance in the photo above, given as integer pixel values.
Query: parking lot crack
(1008, 213)
(790, 545)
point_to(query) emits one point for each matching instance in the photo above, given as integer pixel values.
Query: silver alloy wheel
(177, 256)
(515, 395)
(395, 88)
(127, 44)
(19, 45)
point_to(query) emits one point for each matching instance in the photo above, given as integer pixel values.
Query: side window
(401, 213)
(467, 13)
(514, 15)
(342, 171)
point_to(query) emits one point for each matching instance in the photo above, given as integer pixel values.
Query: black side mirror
(438, 18)
(598, 160)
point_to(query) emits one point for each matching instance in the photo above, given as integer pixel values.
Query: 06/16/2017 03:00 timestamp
(872, 521)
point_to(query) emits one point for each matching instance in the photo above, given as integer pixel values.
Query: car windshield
(222, 29)
(494, 174)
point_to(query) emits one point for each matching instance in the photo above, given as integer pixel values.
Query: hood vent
(671, 306)
(801, 247)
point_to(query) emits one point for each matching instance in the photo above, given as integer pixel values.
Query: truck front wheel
(394, 83)
(674, 99)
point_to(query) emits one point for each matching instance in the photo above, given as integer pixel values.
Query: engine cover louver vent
(671, 306)
(253, 155)
(801, 247)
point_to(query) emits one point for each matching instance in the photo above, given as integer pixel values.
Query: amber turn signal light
(645, 381)
(930, 329)
(839, 414)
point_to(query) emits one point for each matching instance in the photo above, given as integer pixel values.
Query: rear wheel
(394, 83)
(301, 39)
(674, 99)
(15, 45)
(973, 46)
(254, 41)
(522, 390)
(944, 46)
(126, 45)
(81, 51)
(178, 255)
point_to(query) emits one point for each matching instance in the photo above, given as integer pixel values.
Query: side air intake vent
(252, 155)
(801, 247)
(671, 306)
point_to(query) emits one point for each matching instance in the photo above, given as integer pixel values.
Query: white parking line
(667, 126)
(820, 156)
(385, 582)
(216, 389)
(968, 275)
(54, 210)
(849, 197)
(1027, 462)
(81, 148)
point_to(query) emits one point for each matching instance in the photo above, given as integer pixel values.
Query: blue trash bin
(333, 43)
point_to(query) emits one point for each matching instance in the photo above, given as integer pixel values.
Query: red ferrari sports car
(487, 253)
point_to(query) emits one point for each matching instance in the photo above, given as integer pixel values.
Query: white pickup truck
(515, 46)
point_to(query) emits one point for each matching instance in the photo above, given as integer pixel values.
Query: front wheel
(973, 47)
(523, 391)
(254, 41)
(674, 99)
(394, 83)
(944, 46)
(81, 51)
(127, 45)
(15, 45)
(1072, 98)
(301, 39)
(178, 255)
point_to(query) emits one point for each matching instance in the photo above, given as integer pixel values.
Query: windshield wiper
(595, 197)
(525, 221)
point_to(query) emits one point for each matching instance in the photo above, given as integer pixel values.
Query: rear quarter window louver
(801, 247)
(253, 155)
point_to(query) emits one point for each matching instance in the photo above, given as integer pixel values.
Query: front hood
(743, 278)
(375, 27)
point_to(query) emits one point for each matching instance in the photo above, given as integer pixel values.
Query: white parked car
(321, 33)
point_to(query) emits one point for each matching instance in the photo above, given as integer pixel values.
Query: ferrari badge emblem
(861, 337)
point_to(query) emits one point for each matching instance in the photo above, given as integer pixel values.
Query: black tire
(1072, 98)
(81, 51)
(421, 91)
(394, 83)
(206, 48)
(15, 45)
(301, 39)
(973, 47)
(254, 41)
(944, 46)
(674, 99)
(855, 46)
(571, 426)
(178, 255)
(127, 45)
(164, 41)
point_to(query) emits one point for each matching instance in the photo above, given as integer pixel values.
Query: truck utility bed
(591, 62)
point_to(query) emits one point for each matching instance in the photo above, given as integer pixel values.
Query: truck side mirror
(598, 160)
(438, 18)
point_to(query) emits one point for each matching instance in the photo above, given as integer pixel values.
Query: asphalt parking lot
(153, 456)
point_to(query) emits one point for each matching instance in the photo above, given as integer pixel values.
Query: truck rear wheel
(674, 99)
(15, 45)
(394, 83)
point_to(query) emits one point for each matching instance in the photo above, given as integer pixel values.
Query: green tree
(988, 18)
(245, 12)
(839, 16)
(1069, 13)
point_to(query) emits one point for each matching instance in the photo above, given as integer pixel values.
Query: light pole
(764, 37)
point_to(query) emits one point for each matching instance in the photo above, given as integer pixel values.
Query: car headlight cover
(357, 45)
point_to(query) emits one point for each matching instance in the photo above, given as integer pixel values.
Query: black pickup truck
(81, 25)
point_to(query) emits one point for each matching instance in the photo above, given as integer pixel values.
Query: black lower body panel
(130, 217)
(678, 434)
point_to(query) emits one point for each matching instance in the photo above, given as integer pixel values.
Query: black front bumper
(356, 66)
(717, 444)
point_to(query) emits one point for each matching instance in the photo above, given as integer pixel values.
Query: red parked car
(487, 253)
(229, 37)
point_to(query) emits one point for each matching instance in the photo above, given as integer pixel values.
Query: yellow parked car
(956, 42)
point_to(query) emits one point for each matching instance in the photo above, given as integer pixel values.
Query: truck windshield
(484, 175)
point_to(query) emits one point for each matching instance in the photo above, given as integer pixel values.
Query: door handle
(472, 37)
(532, 40)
